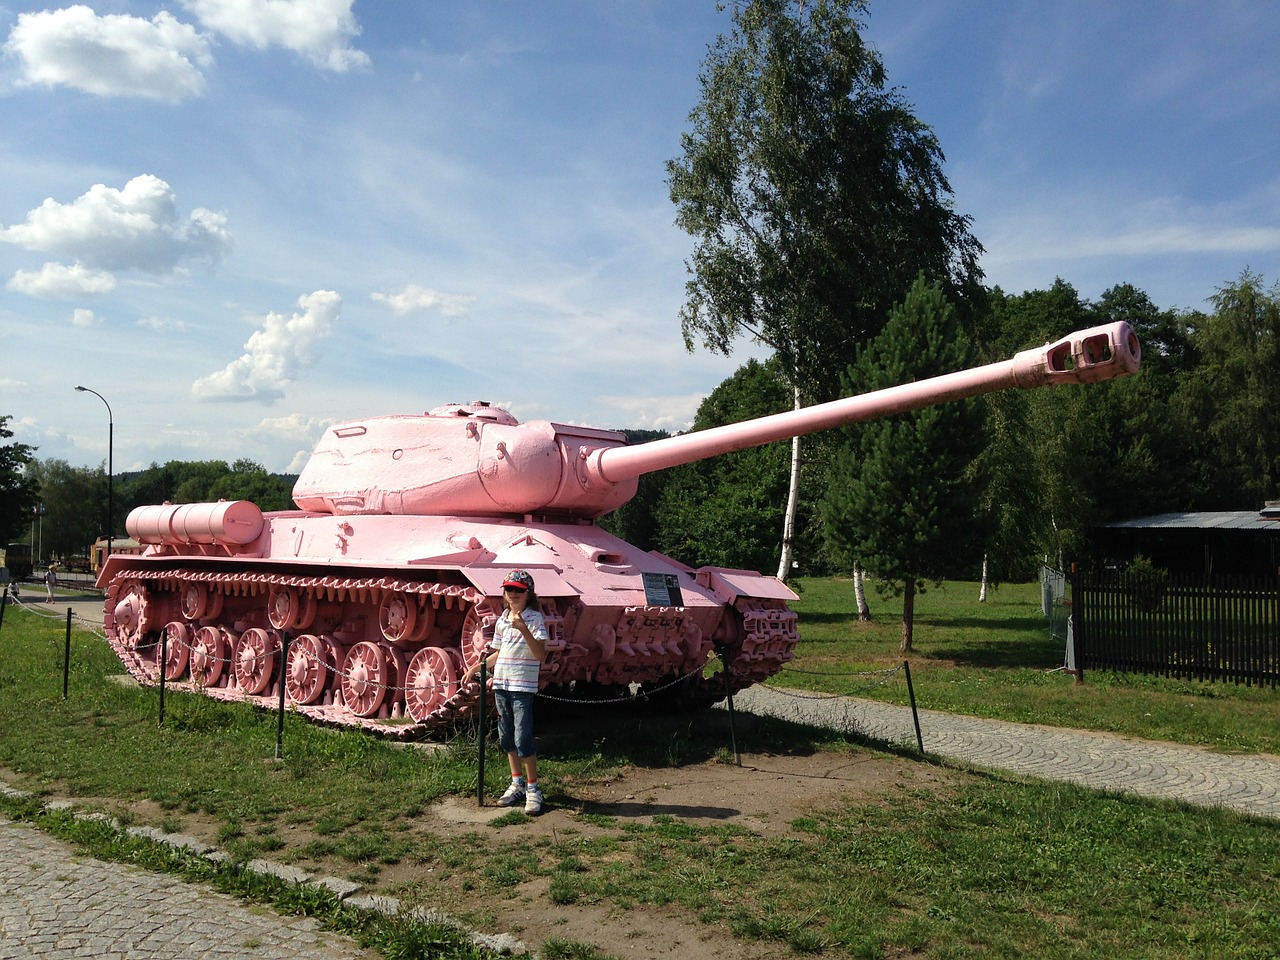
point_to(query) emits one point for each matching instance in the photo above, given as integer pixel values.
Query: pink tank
(387, 580)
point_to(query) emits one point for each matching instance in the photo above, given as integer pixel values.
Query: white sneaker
(514, 794)
(533, 800)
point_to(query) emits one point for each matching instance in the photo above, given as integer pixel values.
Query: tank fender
(547, 581)
(728, 585)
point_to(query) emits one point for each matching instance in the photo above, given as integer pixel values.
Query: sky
(240, 221)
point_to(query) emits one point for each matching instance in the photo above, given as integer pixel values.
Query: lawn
(996, 660)
(980, 865)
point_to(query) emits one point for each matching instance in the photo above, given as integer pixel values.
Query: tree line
(61, 510)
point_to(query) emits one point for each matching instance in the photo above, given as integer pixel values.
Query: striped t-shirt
(517, 668)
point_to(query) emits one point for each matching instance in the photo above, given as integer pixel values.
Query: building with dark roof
(1223, 543)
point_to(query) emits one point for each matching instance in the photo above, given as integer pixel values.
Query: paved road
(59, 905)
(1249, 784)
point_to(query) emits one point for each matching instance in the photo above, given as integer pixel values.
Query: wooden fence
(1225, 629)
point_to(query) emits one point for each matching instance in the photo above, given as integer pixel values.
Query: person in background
(50, 581)
(519, 646)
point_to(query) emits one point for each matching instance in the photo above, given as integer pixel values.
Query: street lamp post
(111, 428)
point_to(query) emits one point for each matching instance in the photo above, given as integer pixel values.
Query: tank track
(141, 658)
(762, 644)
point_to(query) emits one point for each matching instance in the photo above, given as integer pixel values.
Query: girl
(519, 646)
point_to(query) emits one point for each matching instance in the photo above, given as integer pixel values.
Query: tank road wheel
(132, 615)
(177, 649)
(477, 630)
(404, 618)
(307, 671)
(255, 660)
(289, 608)
(432, 680)
(200, 600)
(364, 679)
(208, 656)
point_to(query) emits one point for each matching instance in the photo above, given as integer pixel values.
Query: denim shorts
(515, 722)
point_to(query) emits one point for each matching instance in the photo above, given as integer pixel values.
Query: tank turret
(477, 460)
(371, 599)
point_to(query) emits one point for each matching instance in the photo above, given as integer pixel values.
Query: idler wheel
(208, 656)
(432, 679)
(177, 649)
(132, 614)
(308, 668)
(364, 679)
(255, 660)
(200, 601)
(289, 608)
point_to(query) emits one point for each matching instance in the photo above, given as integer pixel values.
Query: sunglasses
(513, 590)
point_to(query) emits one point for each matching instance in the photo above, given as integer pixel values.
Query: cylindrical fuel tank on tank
(227, 521)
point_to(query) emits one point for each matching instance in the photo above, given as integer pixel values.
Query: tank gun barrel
(1086, 356)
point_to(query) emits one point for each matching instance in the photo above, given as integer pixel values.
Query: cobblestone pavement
(1249, 784)
(59, 905)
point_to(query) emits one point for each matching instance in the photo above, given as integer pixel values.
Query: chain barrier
(883, 676)
(630, 695)
(51, 612)
(642, 694)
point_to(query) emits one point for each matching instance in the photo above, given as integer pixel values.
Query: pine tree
(901, 500)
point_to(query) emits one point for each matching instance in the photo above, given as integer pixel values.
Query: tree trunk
(793, 497)
(860, 594)
(908, 614)
(982, 593)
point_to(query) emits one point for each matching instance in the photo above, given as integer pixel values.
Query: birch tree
(814, 196)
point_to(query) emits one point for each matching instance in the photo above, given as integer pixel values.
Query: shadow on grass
(995, 626)
(660, 741)
(1035, 654)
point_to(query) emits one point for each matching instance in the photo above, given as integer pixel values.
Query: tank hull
(374, 618)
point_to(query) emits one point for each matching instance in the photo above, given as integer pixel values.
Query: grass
(989, 867)
(997, 660)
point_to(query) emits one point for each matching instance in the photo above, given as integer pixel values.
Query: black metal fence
(1224, 629)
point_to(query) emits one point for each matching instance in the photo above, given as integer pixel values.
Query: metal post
(911, 692)
(4, 602)
(111, 431)
(284, 657)
(480, 738)
(723, 654)
(164, 659)
(66, 657)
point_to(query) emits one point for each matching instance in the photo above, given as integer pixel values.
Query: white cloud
(85, 318)
(297, 431)
(316, 29)
(162, 324)
(113, 55)
(57, 281)
(673, 414)
(274, 355)
(136, 228)
(413, 298)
